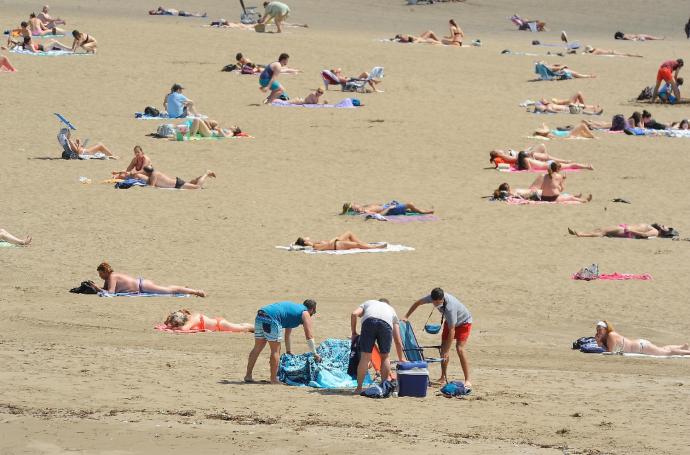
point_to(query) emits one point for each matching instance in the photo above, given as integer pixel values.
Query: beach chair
(249, 14)
(413, 351)
(532, 26)
(352, 85)
(545, 73)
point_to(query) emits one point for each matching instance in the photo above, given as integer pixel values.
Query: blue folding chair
(413, 351)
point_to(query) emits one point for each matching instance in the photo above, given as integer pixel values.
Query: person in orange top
(668, 72)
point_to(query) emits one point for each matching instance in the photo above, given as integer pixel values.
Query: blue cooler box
(413, 379)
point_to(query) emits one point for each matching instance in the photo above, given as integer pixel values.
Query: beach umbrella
(65, 121)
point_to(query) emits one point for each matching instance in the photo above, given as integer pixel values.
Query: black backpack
(229, 68)
(618, 122)
(152, 111)
(645, 94)
(86, 287)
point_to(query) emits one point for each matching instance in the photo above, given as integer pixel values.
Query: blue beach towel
(347, 103)
(47, 53)
(163, 115)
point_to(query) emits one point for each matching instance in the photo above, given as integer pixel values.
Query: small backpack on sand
(151, 111)
(645, 94)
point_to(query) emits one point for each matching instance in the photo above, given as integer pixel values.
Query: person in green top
(277, 11)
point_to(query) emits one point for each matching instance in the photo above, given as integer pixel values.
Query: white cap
(602, 324)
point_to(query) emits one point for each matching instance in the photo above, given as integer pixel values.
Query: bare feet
(249, 380)
(276, 382)
(200, 293)
(589, 198)
(26, 241)
(211, 174)
(590, 167)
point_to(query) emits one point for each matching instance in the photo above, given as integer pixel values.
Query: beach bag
(152, 111)
(645, 94)
(86, 287)
(229, 68)
(69, 155)
(379, 391)
(618, 122)
(454, 389)
(165, 130)
(588, 273)
(247, 69)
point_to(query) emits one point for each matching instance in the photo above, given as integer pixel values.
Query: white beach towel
(309, 250)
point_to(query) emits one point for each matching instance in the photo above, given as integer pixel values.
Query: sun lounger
(546, 74)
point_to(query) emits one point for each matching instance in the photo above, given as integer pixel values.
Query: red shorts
(664, 74)
(462, 332)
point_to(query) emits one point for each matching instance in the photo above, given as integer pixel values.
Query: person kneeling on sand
(273, 323)
(630, 231)
(186, 320)
(115, 282)
(612, 341)
(9, 238)
(380, 325)
(346, 241)
(160, 180)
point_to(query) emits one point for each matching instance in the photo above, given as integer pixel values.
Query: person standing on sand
(119, 282)
(457, 326)
(277, 11)
(668, 72)
(268, 79)
(160, 180)
(380, 325)
(275, 322)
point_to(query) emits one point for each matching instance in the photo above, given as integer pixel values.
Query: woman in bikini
(524, 163)
(186, 320)
(580, 131)
(612, 341)
(537, 152)
(390, 208)
(86, 42)
(136, 166)
(211, 128)
(630, 231)
(455, 38)
(9, 238)
(115, 282)
(346, 241)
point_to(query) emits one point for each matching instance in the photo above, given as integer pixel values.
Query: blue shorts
(376, 330)
(274, 86)
(398, 208)
(267, 328)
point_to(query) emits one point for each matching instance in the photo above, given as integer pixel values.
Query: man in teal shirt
(274, 323)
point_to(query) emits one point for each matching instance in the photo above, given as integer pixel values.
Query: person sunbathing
(160, 180)
(135, 169)
(9, 238)
(38, 29)
(247, 66)
(569, 74)
(186, 320)
(524, 163)
(49, 21)
(223, 23)
(455, 38)
(630, 231)
(553, 185)
(311, 98)
(636, 37)
(115, 282)
(580, 131)
(346, 241)
(546, 106)
(338, 73)
(211, 128)
(533, 193)
(75, 146)
(682, 125)
(523, 24)
(160, 11)
(391, 208)
(6, 65)
(598, 51)
(537, 152)
(402, 38)
(612, 341)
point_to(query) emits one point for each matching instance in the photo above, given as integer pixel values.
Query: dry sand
(87, 375)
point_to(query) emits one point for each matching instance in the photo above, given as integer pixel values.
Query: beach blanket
(513, 169)
(573, 45)
(331, 373)
(648, 356)
(4, 244)
(164, 115)
(619, 276)
(138, 294)
(406, 218)
(49, 35)
(658, 133)
(163, 328)
(47, 53)
(198, 137)
(347, 103)
(309, 250)
(95, 156)
(520, 201)
(129, 183)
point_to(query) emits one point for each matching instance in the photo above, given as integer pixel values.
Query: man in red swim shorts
(668, 72)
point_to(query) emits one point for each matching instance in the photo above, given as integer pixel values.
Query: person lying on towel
(186, 320)
(630, 231)
(612, 341)
(346, 241)
(388, 209)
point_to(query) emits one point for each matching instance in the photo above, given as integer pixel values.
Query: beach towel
(408, 217)
(573, 45)
(347, 103)
(47, 53)
(138, 294)
(163, 115)
(546, 74)
(512, 169)
(330, 373)
(198, 137)
(649, 356)
(619, 277)
(4, 244)
(309, 250)
(95, 156)
(129, 183)
(520, 201)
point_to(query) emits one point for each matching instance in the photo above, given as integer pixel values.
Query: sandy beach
(83, 374)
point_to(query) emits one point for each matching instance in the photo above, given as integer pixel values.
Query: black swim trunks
(179, 183)
(551, 198)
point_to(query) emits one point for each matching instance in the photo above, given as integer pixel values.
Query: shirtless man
(160, 180)
(553, 185)
(48, 20)
(38, 29)
(599, 51)
(119, 282)
(390, 208)
(629, 231)
(136, 166)
(346, 241)
(533, 193)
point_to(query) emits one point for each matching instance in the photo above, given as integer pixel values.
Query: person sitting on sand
(537, 152)
(6, 65)
(211, 128)
(630, 231)
(160, 180)
(311, 98)
(115, 282)
(74, 146)
(598, 51)
(568, 73)
(177, 105)
(338, 73)
(247, 66)
(346, 241)
(268, 79)
(636, 37)
(160, 11)
(9, 238)
(49, 21)
(274, 323)
(38, 29)
(391, 208)
(135, 169)
(666, 91)
(580, 131)
(553, 186)
(186, 320)
(455, 38)
(612, 341)
(668, 72)
(524, 163)
(523, 24)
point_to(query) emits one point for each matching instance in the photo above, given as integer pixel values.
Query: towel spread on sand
(344, 104)
(138, 294)
(660, 133)
(309, 250)
(4, 244)
(331, 373)
(47, 53)
(198, 137)
(533, 171)
(520, 201)
(619, 276)
(408, 217)
(95, 156)
(163, 116)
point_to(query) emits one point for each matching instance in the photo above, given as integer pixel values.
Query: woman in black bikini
(455, 38)
(86, 42)
(346, 241)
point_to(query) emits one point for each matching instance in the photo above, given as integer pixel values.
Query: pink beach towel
(621, 276)
(519, 201)
(513, 169)
(411, 218)
(163, 328)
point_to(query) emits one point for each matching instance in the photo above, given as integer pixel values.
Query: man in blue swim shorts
(268, 79)
(274, 323)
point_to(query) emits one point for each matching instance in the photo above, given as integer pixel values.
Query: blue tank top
(287, 314)
(267, 73)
